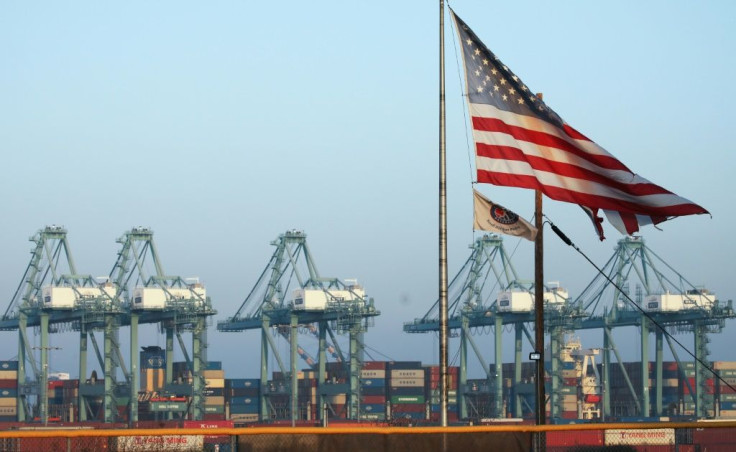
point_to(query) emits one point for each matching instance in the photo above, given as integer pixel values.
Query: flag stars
(479, 89)
(485, 61)
(505, 97)
(477, 73)
(503, 81)
(477, 51)
(512, 91)
(496, 87)
(469, 41)
(520, 101)
(494, 71)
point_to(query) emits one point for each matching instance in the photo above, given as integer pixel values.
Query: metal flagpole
(539, 311)
(443, 230)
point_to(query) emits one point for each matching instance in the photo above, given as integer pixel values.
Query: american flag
(521, 142)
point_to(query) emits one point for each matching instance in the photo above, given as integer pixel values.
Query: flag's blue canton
(489, 81)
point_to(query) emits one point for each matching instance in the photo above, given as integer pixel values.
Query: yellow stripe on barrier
(87, 433)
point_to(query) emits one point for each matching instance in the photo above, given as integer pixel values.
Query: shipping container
(237, 383)
(407, 399)
(373, 382)
(407, 382)
(404, 365)
(244, 409)
(8, 365)
(397, 374)
(244, 400)
(244, 417)
(373, 400)
(374, 365)
(157, 443)
(375, 373)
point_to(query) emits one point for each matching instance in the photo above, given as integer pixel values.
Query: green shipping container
(214, 409)
(168, 406)
(404, 399)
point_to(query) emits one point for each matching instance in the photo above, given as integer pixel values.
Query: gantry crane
(175, 304)
(662, 296)
(474, 304)
(53, 297)
(52, 294)
(280, 300)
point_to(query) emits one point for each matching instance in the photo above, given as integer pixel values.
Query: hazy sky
(220, 125)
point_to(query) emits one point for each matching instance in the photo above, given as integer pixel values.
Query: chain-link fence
(695, 437)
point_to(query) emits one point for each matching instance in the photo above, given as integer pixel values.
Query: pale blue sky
(222, 125)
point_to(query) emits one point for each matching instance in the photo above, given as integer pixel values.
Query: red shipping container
(408, 408)
(374, 365)
(7, 384)
(575, 438)
(373, 399)
(715, 439)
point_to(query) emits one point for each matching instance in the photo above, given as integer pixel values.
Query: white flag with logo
(496, 218)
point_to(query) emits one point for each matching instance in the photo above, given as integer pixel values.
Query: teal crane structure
(179, 306)
(53, 297)
(473, 308)
(270, 308)
(663, 301)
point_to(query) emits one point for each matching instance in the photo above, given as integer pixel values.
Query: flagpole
(539, 304)
(539, 310)
(443, 229)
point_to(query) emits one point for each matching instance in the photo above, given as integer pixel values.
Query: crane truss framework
(103, 311)
(267, 308)
(490, 266)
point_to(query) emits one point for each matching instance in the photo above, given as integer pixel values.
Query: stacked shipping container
(8, 390)
(242, 399)
(406, 390)
(373, 391)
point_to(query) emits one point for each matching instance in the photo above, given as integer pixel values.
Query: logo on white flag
(494, 217)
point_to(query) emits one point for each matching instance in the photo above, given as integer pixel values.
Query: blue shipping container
(728, 405)
(373, 408)
(397, 415)
(373, 382)
(238, 383)
(244, 400)
(244, 409)
(10, 392)
(8, 365)
(370, 391)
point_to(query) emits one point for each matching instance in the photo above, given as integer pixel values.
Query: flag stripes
(521, 142)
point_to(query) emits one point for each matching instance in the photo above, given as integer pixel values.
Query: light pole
(43, 393)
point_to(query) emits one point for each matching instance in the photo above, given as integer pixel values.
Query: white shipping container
(640, 437)
(407, 373)
(368, 373)
(407, 382)
(64, 297)
(318, 299)
(157, 297)
(149, 298)
(556, 297)
(515, 301)
(177, 443)
(670, 302)
(730, 365)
